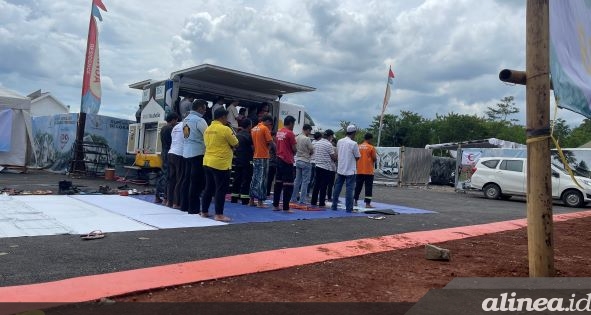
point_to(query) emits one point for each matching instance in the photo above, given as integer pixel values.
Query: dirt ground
(396, 276)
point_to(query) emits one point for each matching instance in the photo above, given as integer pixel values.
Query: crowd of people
(201, 149)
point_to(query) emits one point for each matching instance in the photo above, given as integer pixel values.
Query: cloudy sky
(446, 54)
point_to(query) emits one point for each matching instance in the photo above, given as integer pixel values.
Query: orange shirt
(367, 159)
(261, 136)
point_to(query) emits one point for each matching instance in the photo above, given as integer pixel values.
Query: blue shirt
(193, 128)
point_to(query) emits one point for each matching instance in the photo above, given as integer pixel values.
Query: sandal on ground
(94, 235)
(205, 214)
(222, 218)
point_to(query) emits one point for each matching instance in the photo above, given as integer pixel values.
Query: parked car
(501, 178)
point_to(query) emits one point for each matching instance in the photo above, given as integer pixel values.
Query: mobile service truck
(207, 82)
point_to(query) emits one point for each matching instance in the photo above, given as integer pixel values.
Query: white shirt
(232, 114)
(348, 153)
(304, 148)
(176, 146)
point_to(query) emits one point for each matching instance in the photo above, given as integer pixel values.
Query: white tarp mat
(155, 215)
(54, 215)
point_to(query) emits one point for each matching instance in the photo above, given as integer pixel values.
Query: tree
(503, 109)
(561, 131)
(579, 135)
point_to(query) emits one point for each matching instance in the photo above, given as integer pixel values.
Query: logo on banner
(64, 139)
(470, 158)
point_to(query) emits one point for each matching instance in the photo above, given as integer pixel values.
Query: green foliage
(412, 130)
(503, 110)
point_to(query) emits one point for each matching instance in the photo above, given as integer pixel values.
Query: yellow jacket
(219, 141)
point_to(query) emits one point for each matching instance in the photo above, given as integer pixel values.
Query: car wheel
(573, 198)
(492, 191)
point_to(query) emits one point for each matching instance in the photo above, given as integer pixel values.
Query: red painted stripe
(90, 288)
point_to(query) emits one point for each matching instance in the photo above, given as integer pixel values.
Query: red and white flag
(91, 82)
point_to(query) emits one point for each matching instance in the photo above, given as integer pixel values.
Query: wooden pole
(539, 180)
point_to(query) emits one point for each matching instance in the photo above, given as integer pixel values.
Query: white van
(501, 178)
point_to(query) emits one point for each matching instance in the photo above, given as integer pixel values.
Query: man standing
(365, 166)
(325, 157)
(347, 156)
(193, 150)
(185, 106)
(166, 141)
(304, 151)
(176, 167)
(217, 162)
(261, 139)
(242, 163)
(285, 141)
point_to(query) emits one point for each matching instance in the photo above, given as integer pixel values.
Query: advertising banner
(54, 137)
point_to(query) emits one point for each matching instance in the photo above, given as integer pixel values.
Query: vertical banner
(91, 82)
(570, 54)
(386, 101)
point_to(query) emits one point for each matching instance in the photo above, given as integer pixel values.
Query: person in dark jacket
(243, 163)
(166, 140)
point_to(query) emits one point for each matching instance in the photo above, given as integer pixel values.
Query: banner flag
(91, 82)
(388, 90)
(570, 54)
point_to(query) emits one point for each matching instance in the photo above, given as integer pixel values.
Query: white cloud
(446, 53)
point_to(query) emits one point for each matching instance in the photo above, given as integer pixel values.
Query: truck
(207, 82)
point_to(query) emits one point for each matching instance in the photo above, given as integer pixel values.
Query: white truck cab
(207, 82)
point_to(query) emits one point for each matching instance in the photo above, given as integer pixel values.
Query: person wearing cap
(220, 141)
(166, 140)
(304, 152)
(285, 141)
(193, 150)
(325, 158)
(347, 156)
(365, 170)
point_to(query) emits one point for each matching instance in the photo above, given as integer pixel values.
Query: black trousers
(283, 183)
(241, 183)
(362, 179)
(193, 183)
(324, 178)
(175, 178)
(162, 182)
(270, 178)
(312, 178)
(217, 183)
(330, 185)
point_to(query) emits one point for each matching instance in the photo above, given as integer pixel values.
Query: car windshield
(560, 168)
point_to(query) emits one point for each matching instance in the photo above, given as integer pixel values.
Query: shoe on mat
(94, 235)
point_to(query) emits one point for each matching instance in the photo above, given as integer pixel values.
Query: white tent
(15, 128)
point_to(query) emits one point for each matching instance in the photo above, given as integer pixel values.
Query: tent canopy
(11, 99)
(16, 137)
(484, 143)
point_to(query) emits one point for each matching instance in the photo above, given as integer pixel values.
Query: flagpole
(91, 91)
(385, 104)
(78, 165)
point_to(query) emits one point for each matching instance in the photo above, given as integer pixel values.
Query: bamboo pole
(539, 180)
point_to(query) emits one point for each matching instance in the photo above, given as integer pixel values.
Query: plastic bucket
(109, 173)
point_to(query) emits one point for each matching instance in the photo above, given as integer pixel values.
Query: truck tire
(492, 191)
(573, 198)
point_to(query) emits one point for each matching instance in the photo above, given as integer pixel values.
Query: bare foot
(222, 218)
